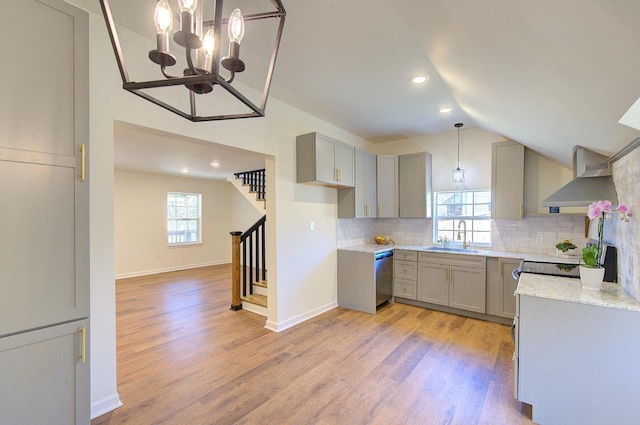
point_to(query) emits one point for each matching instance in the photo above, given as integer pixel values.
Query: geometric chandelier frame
(204, 78)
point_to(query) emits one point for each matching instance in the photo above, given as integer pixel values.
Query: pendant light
(458, 173)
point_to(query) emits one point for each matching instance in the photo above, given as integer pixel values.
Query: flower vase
(591, 278)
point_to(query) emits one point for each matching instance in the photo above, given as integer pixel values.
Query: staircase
(252, 185)
(249, 274)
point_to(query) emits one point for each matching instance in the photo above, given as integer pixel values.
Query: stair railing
(251, 246)
(256, 181)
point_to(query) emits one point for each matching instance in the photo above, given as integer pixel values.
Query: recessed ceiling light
(445, 110)
(184, 170)
(419, 79)
(215, 164)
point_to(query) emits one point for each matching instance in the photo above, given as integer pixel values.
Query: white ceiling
(549, 74)
(144, 150)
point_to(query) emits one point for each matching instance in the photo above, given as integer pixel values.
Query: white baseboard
(171, 269)
(286, 324)
(105, 405)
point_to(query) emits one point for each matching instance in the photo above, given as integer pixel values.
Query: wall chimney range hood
(592, 181)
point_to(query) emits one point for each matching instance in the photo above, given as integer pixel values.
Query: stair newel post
(236, 303)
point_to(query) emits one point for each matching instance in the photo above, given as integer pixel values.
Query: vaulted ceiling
(549, 74)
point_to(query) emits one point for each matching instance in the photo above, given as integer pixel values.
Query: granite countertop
(374, 248)
(611, 295)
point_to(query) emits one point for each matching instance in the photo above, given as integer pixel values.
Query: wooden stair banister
(236, 302)
(253, 265)
(256, 181)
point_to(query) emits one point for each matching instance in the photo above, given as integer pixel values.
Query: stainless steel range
(550, 269)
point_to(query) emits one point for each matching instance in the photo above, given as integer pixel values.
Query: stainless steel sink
(458, 250)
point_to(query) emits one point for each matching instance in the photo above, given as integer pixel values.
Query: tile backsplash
(625, 176)
(533, 234)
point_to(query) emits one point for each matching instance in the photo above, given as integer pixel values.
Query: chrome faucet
(464, 241)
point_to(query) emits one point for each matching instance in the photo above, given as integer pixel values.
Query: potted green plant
(591, 272)
(444, 240)
(566, 247)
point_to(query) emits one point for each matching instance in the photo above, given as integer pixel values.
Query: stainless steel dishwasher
(384, 277)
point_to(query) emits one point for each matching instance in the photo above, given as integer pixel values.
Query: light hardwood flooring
(184, 358)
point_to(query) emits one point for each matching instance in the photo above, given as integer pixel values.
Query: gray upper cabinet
(415, 185)
(501, 286)
(387, 186)
(507, 180)
(44, 179)
(44, 256)
(324, 161)
(360, 201)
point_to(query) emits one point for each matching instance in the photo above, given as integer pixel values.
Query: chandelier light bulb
(187, 5)
(236, 26)
(208, 43)
(208, 46)
(162, 17)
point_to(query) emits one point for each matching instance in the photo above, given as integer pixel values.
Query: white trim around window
(473, 207)
(184, 218)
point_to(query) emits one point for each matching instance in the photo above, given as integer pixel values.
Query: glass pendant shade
(458, 175)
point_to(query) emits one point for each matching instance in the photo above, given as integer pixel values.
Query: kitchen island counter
(569, 289)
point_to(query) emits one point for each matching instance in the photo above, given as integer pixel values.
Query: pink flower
(602, 210)
(598, 209)
(624, 213)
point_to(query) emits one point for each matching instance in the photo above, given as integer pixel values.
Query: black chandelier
(197, 45)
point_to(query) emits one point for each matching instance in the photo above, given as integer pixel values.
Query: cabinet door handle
(521, 211)
(500, 268)
(83, 352)
(83, 153)
(339, 174)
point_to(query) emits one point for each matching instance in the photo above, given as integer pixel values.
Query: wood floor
(184, 358)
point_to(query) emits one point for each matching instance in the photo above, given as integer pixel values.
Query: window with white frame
(184, 220)
(471, 206)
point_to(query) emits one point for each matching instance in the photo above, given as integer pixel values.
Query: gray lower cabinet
(452, 280)
(357, 281)
(433, 283)
(44, 181)
(45, 376)
(571, 362)
(501, 286)
(405, 274)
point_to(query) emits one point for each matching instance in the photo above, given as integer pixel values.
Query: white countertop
(611, 295)
(374, 248)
